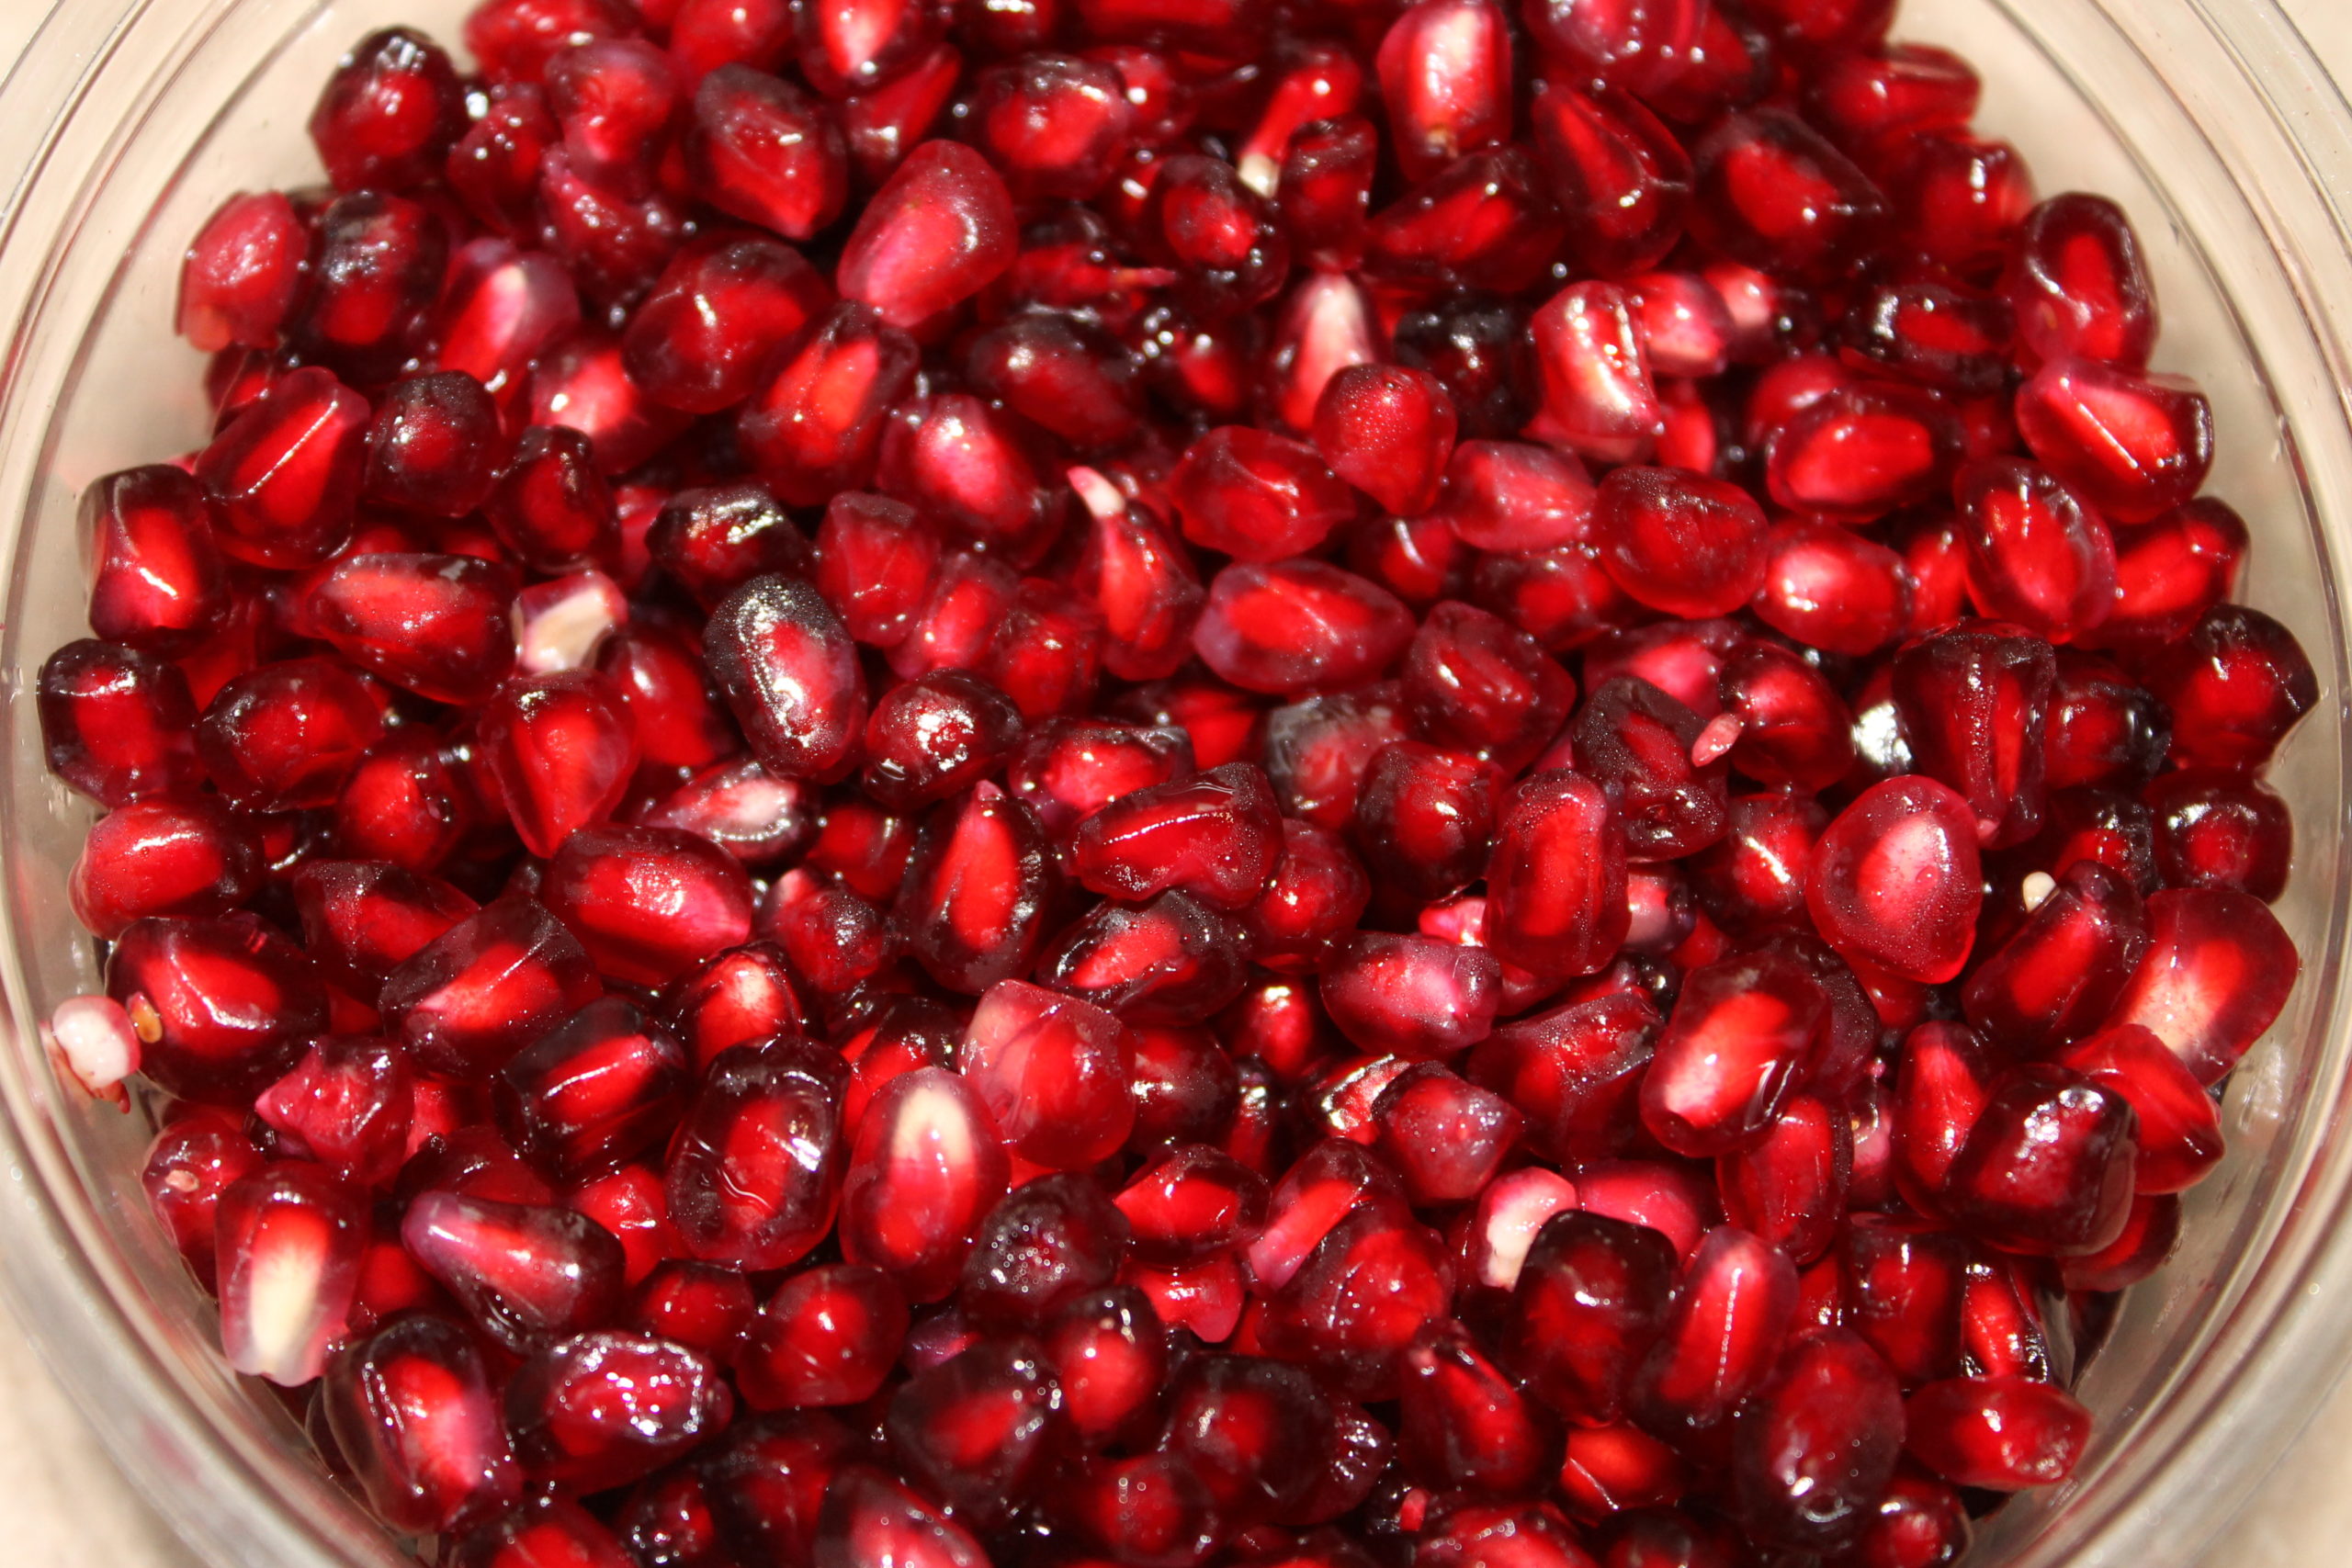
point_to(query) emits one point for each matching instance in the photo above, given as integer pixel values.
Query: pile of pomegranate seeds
(1165, 782)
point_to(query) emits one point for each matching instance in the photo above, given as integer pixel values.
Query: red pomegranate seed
(1445, 73)
(813, 427)
(2078, 285)
(2135, 446)
(285, 476)
(1054, 1072)
(1680, 542)
(468, 1002)
(1556, 901)
(245, 274)
(1721, 1338)
(1816, 1452)
(938, 232)
(1623, 179)
(602, 1409)
(1895, 881)
(1999, 1433)
(412, 1410)
(1595, 393)
(528, 1276)
(2235, 684)
(2217, 972)
(1771, 193)
(549, 1530)
(972, 903)
(754, 1172)
(788, 671)
(558, 750)
(929, 1163)
(712, 541)
(1639, 47)
(1256, 496)
(288, 1236)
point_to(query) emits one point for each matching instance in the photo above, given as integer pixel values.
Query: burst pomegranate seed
(891, 794)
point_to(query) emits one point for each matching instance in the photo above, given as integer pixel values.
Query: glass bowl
(128, 120)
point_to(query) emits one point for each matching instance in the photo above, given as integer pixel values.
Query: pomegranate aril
(435, 446)
(433, 624)
(1656, 763)
(1816, 1450)
(289, 1238)
(1833, 589)
(2215, 830)
(974, 1429)
(880, 127)
(1485, 221)
(2001, 1434)
(347, 1104)
(813, 426)
(1595, 397)
(1256, 496)
(1680, 542)
(2078, 285)
(958, 458)
(245, 274)
(285, 475)
(754, 1171)
(938, 232)
(2217, 972)
(412, 1410)
(222, 1006)
(526, 1275)
(117, 723)
(1298, 624)
(594, 1092)
(1389, 431)
(1622, 179)
(1054, 1072)
(158, 582)
(602, 1409)
(197, 1158)
(1772, 193)
(548, 1530)
(2047, 1169)
(473, 997)
(552, 507)
(789, 671)
(711, 541)
(1556, 880)
(928, 1163)
(580, 382)
(1446, 76)
(973, 902)
(1790, 1186)
(557, 750)
(2235, 685)
(1863, 450)
(1721, 1338)
(1051, 1239)
(1731, 1052)
(766, 1479)
(188, 855)
(2135, 445)
(828, 1336)
(1215, 836)
(2179, 1128)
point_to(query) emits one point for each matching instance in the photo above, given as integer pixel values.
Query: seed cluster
(1175, 782)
